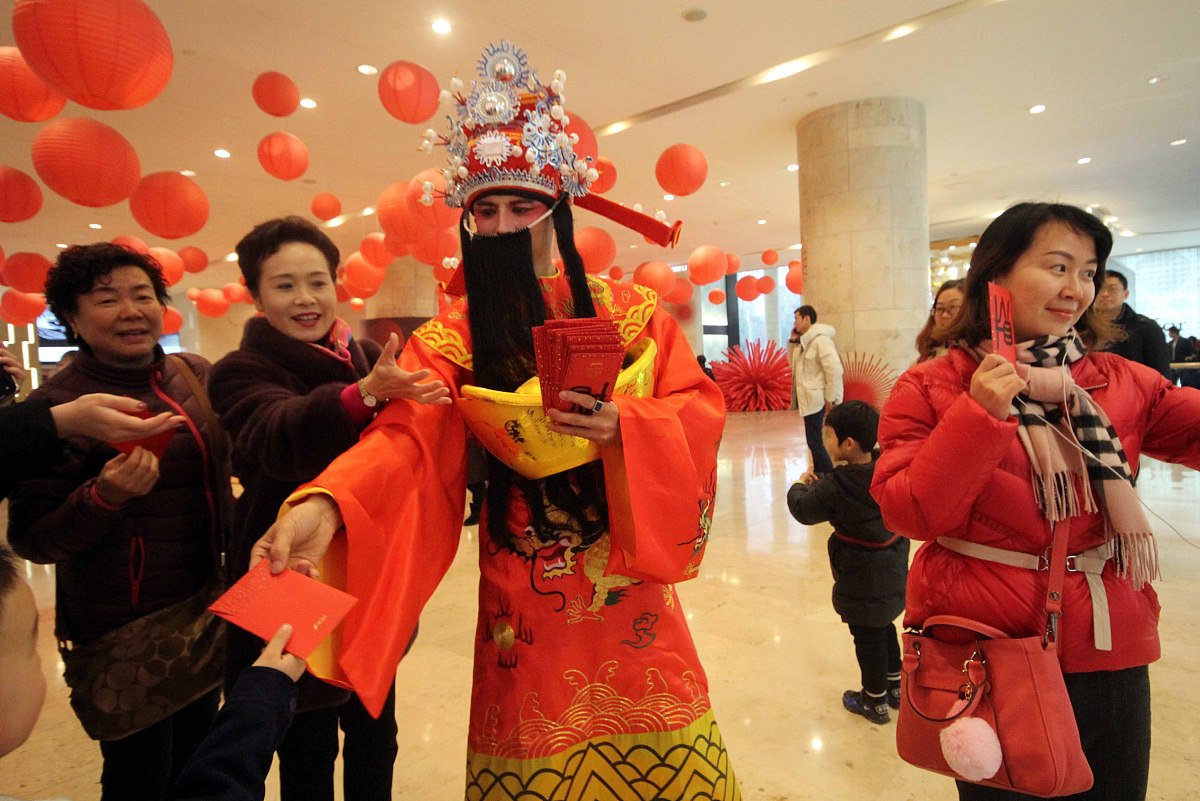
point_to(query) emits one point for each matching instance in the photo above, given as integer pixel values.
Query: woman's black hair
(80, 267)
(266, 238)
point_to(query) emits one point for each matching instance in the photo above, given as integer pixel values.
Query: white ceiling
(977, 67)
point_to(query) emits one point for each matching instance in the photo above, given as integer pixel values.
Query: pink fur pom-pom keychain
(971, 747)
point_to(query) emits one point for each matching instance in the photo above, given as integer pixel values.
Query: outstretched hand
(109, 418)
(387, 381)
(273, 656)
(601, 426)
(300, 538)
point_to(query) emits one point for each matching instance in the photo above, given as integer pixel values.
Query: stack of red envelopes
(581, 354)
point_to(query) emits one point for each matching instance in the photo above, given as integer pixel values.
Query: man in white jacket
(816, 380)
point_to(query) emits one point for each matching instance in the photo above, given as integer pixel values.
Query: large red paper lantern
(770, 257)
(171, 263)
(706, 264)
(374, 249)
(608, 175)
(746, 288)
(394, 215)
(436, 214)
(169, 205)
(103, 54)
(86, 161)
(20, 195)
(362, 274)
(656, 275)
(212, 302)
(194, 259)
(326, 206)
(23, 95)
(21, 308)
(276, 94)
(26, 272)
(586, 147)
(283, 155)
(395, 245)
(681, 293)
(795, 281)
(733, 263)
(681, 169)
(435, 246)
(765, 285)
(408, 91)
(597, 249)
(172, 321)
(131, 242)
(716, 297)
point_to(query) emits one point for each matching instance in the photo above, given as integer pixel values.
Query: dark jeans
(310, 748)
(878, 652)
(818, 459)
(142, 766)
(1112, 710)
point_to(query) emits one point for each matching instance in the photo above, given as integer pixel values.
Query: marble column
(407, 298)
(864, 223)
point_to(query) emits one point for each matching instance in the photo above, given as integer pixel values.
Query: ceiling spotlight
(61, 246)
(899, 32)
(441, 26)
(1038, 109)
(335, 222)
(1178, 142)
(368, 211)
(95, 226)
(231, 257)
(1084, 160)
(221, 153)
(367, 69)
(762, 222)
(668, 197)
(1156, 80)
(188, 173)
(308, 103)
(1127, 232)
(726, 183)
(793, 168)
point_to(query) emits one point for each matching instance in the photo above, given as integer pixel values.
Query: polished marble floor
(777, 656)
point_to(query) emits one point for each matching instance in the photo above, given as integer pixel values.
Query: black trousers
(818, 457)
(1112, 710)
(878, 653)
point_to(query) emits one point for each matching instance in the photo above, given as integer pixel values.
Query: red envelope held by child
(260, 603)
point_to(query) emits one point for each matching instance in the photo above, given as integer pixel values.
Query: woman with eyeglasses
(947, 302)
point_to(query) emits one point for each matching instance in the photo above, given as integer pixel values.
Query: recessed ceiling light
(996, 214)
(231, 256)
(762, 222)
(723, 183)
(971, 245)
(368, 211)
(1038, 109)
(61, 246)
(367, 69)
(899, 32)
(633, 247)
(1084, 160)
(95, 226)
(668, 197)
(221, 153)
(1156, 80)
(188, 173)
(335, 222)
(1127, 232)
(441, 26)
(797, 246)
(793, 168)
(308, 102)
(1178, 142)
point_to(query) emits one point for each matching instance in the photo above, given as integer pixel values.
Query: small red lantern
(706, 264)
(395, 245)
(193, 294)
(656, 275)
(597, 249)
(23, 95)
(395, 216)
(770, 257)
(26, 272)
(747, 288)
(716, 297)
(283, 155)
(436, 214)
(795, 264)
(616, 273)
(172, 265)
(212, 303)
(362, 274)
(235, 292)
(608, 175)
(21, 308)
(435, 246)
(765, 285)
(131, 242)
(408, 91)
(20, 195)
(103, 54)
(194, 259)
(169, 205)
(172, 321)
(681, 293)
(326, 206)
(374, 249)
(795, 281)
(681, 169)
(276, 94)
(86, 161)
(733, 263)
(586, 146)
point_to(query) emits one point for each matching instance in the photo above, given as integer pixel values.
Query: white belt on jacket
(1089, 562)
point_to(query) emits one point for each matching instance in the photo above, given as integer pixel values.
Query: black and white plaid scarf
(1078, 461)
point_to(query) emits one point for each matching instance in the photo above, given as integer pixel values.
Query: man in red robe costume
(586, 680)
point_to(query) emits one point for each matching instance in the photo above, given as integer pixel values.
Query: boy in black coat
(870, 563)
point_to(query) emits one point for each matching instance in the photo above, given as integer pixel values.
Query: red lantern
(212, 303)
(608, 175)
(795, 281)
(358, 304)
(374, 249)
(276, 94)
(681, 169)
(435, 246)
(681, 293)
(733, 263)
(770, 257)
(362, 274)
(706, 264)
(169, 205)
(747, 288)
(684, 313)
(26, 272)
(21, 308)
(656, 275)
(283, 155)
(353, 291)
(86, 161)
(408, 91)
(172, 321)
(765, 285)
(20, 196)
(716, 297)
(587, 145)
(597, 249)
(616, 273)
(343, 294)
(193, 294)
(442, 273)
(103, 54)
(395, 245)
(194, 259)
(437, 214)
(395, 216)
(1, 261)
(131, 242)
(326, 206)
(235, 292)
(171, 263)
(23, 95)
(794, 264)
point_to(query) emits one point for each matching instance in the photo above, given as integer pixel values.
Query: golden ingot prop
(514, 429)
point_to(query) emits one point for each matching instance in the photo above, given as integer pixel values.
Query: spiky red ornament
(866, 377)
(757, 380)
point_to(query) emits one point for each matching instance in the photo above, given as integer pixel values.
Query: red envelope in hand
(1000, 308)
(156, 444)
(260, 603)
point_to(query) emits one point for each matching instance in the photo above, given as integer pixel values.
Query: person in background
(816, 380)
(978, 451)
(869, 563)
(1182, 349)
(703, 362)
(129, 534)
(946, 305)
(296, 393)
(1136, 336)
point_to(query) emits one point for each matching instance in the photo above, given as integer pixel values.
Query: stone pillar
(864, 223)
(407, 299)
